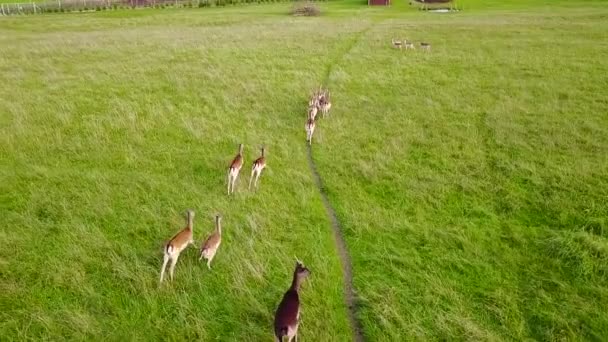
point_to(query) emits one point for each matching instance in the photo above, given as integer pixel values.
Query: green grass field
(471, 182)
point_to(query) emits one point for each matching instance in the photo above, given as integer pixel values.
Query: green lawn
(471, 182)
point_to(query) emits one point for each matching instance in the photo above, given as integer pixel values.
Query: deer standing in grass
(310, 129)
(257, 168)
(397, 43)
(325, 103)
(235, 168)
(425, 46)
(287, 316)
(313, 110)
(409, 45)
(176, 245)
(313, 99)
(210, 246)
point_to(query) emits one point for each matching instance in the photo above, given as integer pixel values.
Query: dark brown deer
(235, 168)
(287, 317)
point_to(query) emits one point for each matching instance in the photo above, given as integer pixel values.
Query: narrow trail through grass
(349, 293)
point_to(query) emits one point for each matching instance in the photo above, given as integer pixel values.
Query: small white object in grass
(443, 10)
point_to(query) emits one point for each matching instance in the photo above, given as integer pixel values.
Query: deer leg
(251, 178)
(294, 337)
(229, 182)
(172, 266)
(234, 182)
(257, 177)
(162, 270)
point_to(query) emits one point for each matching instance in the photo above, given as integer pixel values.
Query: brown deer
(176, 245)
(257, 168)
(409, 45)
(210, 246)
(397, 43)
(313, 99)
(235, 168)
(425, 46)
(313, 110)
(287, 316)
(325, 104)
(310, 129)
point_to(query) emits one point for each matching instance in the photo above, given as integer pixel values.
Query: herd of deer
(407, 44)
(287, 316)
(319, 101)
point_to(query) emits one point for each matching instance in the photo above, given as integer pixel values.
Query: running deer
(313, 99)
(235, 168)
(176, 245)
(325, 103)
(256, 169)
(287, 317)
(397, 43)
(310, 129)
(313, 110)
(409, 45)
(210, 246)
(425, 46)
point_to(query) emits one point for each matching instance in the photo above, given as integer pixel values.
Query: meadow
(471, 182)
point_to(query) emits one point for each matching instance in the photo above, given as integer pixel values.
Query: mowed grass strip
(471, 181)
(110, 134)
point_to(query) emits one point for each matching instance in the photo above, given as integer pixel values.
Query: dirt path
(350, 297)
(347, 268)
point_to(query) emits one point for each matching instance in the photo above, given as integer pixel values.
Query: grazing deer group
(287, 315)
(319, 101)
(407, 44)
